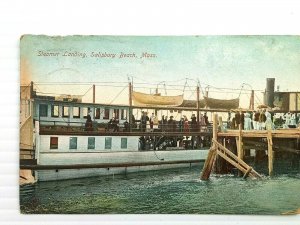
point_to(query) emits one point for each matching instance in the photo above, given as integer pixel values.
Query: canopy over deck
(142, 99)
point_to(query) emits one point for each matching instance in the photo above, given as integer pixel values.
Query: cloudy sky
(220, 61)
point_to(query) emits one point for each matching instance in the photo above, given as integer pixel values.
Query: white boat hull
(71, 158)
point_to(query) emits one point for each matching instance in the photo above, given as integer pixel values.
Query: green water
(178, 191)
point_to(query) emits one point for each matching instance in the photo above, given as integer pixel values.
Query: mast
(94, 92)
(130, 106)
(198, 104)
(31, 90)
(251, 106)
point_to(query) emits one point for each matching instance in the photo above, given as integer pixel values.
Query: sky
(218, 61)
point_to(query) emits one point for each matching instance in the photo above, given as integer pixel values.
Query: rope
(184, 86)
(241, 90)
(87, 91)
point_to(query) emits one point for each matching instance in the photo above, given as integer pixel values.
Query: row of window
(90, 143)
(55, 112)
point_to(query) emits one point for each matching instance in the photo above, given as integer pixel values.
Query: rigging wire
(184, 86)
(87, 91)
(109, 84)
(241, 90)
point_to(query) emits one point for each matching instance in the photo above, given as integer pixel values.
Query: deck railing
(67, 126)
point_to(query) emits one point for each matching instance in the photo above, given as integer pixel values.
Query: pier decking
(269, 140)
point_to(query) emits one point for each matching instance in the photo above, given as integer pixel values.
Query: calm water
(171, 191)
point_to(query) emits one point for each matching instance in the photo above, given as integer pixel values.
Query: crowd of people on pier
(262, 120)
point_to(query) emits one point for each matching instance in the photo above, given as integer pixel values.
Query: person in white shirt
(247, 122)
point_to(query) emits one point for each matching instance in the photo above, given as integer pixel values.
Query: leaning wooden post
(270, 153)
(209, 162)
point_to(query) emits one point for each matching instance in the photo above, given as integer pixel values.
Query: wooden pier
(269, 141)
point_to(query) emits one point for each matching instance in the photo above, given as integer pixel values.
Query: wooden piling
(209, 162)
(270, 153)
(240, 151)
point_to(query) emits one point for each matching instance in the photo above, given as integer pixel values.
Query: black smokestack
(269, 95)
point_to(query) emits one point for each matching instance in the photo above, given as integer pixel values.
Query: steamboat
(66, 138)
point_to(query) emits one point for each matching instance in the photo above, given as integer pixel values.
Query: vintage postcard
(159, 124)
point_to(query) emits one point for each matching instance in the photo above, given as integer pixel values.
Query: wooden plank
(208, 165)
(232, 162)
(235, 159)
(230, 153)
(286, 133)
(247, 172)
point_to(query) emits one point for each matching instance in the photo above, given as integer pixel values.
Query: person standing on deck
(181, 123)
(247, 122)
(152, 118)
(144, 120)
(206, 119)
(186, 126)
(171, 125)
(202, 122)
(242, 120)
(269, 122)
(233, 123)
(237, 119)
(88, 123)
(293, 119)
(256, 120)
(287, 119)
(165, 123)
(262, 120)
(194, 123)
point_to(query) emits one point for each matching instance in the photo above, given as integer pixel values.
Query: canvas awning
(142, 99)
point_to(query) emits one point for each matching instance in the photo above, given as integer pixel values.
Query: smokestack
(269, 94)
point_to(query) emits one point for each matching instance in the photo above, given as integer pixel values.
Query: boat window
(43, 110)
(123, 114)
(106, 114)
(53, 142)
(97, 113)
(73, 143)
(91, 143)
(123, 143)
(85, 111)
(65, 111)
(54, 111)
(76, 112)
(108, 141)
(116, 113)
